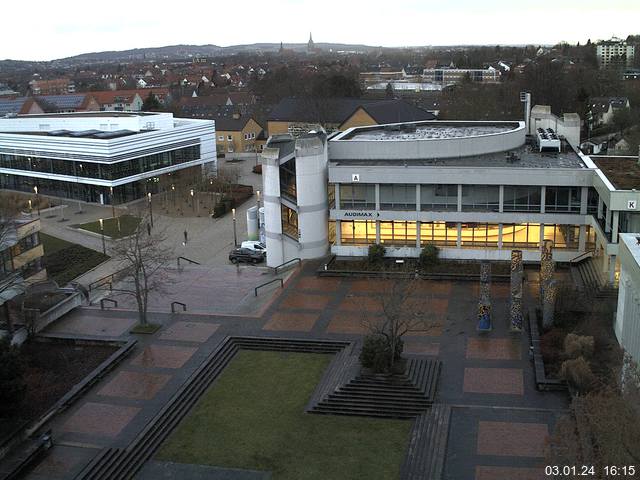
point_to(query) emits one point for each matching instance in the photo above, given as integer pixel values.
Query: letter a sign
(355, 177)
(632, 205)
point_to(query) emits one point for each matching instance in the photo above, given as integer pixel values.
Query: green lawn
(253, 417)
(66, 261)
(128, 225)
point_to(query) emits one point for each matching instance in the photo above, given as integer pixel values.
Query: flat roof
(622, 172)
(94, 134)
(89, 114)
(522, 157)
(427, 130)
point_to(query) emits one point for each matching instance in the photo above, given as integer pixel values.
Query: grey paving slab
(155, 470)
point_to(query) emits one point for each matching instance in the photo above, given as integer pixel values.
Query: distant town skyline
(56, 32)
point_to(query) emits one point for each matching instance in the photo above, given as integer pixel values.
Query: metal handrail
(188, 260)
(275, 270)
(255, 290)
(102, 300)
(106, 279)
(582, 256)
(173, 306)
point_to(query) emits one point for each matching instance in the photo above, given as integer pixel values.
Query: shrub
(578, 374)
(429, 255)
(11, 378)
(578, 346)
(376, 254)
(376, 354)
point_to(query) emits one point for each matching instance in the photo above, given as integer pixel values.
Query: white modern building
(627, 324)
(103, 156)
(615, 52)
(477, 190)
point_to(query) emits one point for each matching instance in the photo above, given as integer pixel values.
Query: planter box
(542, 382)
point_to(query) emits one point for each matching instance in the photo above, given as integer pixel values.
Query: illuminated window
(479, 235)
(439, 233)
(289, 221)
(398, 233)
(563, 236)
(357, 232)
(521, 235)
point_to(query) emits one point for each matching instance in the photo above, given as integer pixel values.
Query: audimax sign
(360, 214)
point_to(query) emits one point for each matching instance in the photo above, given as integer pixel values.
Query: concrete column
(272, 211)
(543, 198)
(600, 204)
(614, 227)
(459, 198)
(541, 235)
(582, 240)
(418, 234)
(377, 231)
(499, 235)
(338, 233)
(337, 193)
(501, 202)
(417, 197)
(377, 196)
(607, 221)
(584, 196)
(612, 269)
(459, 237)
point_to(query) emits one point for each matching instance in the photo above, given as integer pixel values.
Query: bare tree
(144, 257)
(405, 309)
(10, 278)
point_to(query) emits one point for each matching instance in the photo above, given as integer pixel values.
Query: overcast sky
(46, 29)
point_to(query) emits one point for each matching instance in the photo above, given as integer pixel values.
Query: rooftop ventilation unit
(548, 140)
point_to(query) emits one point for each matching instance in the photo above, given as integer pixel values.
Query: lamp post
(104, 247)
(235, 235)
(258, 194)
(173, 194)
(193, 200)
(150, 208)
(35, 189)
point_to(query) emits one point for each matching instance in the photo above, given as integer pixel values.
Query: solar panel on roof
(114, 134)
(84, 133)
(59, 133)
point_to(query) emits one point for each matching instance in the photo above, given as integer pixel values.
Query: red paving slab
(344, 322)
(433, 287)
(507, 381)
(305, 301)
(371, 286)
(320, 284)
(189, 331)
(494, 348)
(163, 356)
(432, 327)
(512, 439)
(509, 473)
(431, 349)
(82, 324)
(136, 385)
(100, 419)
(361, 303)
(291, 321)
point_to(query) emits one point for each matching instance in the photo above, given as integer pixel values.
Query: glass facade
(522, 198)
(439, 198)
(397, 196)
(562, 199)
(472, 235)
(288, 179)
(480, 198)
(289, 221)
(401, 234)
(359, 197)
(357, 232)
(101, 171)
(439, 233)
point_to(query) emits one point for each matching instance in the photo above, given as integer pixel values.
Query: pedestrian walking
(186, 237)
(149, 228)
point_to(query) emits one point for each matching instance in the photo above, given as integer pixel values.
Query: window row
(470, 235)
(473, 198)
(104, 171)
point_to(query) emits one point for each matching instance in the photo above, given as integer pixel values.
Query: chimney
(525, 97)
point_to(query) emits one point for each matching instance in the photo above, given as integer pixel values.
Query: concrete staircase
(593, 280)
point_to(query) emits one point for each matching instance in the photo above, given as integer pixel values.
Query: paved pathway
(499, 420)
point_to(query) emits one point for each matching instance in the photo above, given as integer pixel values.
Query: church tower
(310, 45)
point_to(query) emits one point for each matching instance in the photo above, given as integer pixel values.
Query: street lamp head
(101, 224)
(191, 192)
(149, 196)
(233, 212)
(35, 189)
(173, 187)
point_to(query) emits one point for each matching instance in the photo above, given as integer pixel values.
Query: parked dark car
(245, 255)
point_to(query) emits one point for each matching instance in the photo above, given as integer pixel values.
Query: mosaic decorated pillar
(484, 303)
(547, 266)
(549, 304)
(515, 307)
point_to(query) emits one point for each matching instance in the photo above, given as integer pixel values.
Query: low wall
(65, 306)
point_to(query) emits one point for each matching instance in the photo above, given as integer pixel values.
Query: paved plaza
(499, 422)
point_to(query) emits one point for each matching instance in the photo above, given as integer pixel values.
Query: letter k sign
(632, 205)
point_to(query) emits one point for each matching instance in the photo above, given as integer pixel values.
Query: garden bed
(128, 225)
(65, 260)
